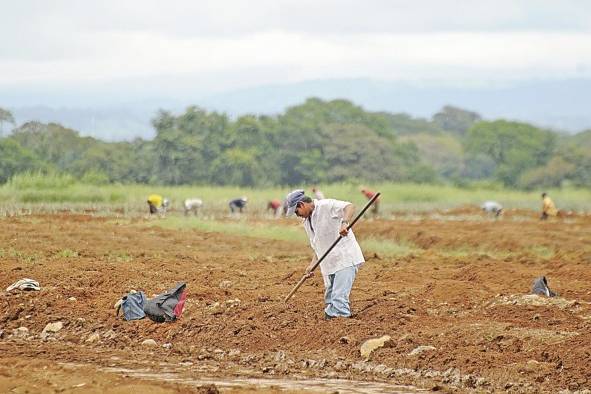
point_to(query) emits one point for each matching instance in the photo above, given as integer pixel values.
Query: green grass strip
(294, 233)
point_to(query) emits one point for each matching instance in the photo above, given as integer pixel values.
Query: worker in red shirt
(274, 205)
(369, 194)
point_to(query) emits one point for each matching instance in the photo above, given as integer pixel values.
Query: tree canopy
(315, 142)
(513, 147)
(5, 117)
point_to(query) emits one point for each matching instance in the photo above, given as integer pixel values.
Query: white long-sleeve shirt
(322, 228)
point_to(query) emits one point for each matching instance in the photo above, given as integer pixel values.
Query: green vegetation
(245, 228)
(5, 117)
(242, 228)
(543, 252)
(316, 142)
(388, 248)
(35, 189)
(455, 120)
(119, 257)
(67, 253)
(15, 159)
(467, 251)
(513, 147)
(41, 181)
(22, 257)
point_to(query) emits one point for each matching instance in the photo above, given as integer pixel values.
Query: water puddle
(341, 386)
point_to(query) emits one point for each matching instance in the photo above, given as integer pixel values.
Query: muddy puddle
(341, 386)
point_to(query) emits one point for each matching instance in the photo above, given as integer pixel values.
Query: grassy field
(63, 192)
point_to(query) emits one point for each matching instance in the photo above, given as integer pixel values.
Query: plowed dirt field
(461, 293)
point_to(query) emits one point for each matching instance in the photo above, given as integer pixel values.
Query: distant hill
(107, 123)
(560, 105)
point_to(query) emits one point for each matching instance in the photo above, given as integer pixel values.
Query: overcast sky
(200, 47)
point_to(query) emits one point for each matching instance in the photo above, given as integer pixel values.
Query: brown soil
(462, 290)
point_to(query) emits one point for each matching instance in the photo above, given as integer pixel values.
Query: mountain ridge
(558, 104)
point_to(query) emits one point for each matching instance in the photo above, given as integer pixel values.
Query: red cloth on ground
(178, 309)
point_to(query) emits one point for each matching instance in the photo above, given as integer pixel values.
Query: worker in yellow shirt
(548, 207)
(157, 203)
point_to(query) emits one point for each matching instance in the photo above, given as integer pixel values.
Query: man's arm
(309, 271)
(348, 212)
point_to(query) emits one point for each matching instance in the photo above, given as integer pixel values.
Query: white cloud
(270, 41)
(393, 56)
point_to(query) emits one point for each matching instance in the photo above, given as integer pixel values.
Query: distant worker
(238, 204)
(492, 207)
(192, 205)
(157, 204)
(274, 205)
(548, 207)
(369, 194)
(317, 193)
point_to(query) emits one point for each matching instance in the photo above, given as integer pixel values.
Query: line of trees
(315, 142)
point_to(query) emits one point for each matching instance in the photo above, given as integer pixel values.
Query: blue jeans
(337, 289)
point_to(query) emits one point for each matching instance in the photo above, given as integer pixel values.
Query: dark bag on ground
(540, 287)
(133, 306)
(167, 306)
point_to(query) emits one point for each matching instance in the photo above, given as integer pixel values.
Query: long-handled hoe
(306, 276)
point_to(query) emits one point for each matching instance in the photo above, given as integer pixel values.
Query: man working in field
(492, 207)
(369, 194)
(548, 207)
(192, 205)
(238, 204)
(317, 193)
(157, 204)
(324, 220)
(274, 206)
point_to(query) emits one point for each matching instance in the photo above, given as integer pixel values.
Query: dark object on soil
(133, 306)
(540, 287)
(167, 306)
(209, 389)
